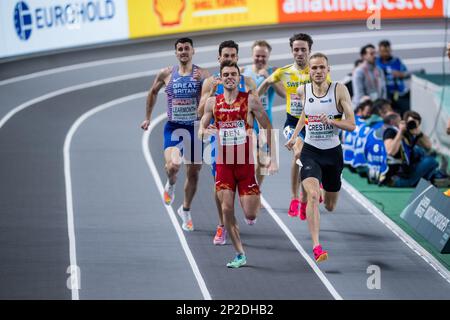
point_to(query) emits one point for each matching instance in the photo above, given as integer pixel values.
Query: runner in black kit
(327, 108)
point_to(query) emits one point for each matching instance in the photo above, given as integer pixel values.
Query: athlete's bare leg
(259, 175)
(295, 169)
(330, 200)
(173, 159)
(226, 198)
(219, 206)
(190, 185)
(312, 189)
(250, 205)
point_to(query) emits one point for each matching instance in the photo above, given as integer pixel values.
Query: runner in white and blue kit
(183, 88)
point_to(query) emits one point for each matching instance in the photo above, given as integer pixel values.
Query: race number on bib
(296, 105)
(184, 109)
(232, 133)
(318, 130)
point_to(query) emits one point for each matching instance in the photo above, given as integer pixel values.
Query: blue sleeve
(402, 66)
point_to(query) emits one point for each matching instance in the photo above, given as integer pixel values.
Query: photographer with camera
(408, 146)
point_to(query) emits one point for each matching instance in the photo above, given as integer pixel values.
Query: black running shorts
(324, 165)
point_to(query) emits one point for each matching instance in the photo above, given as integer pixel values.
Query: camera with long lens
(411, 125)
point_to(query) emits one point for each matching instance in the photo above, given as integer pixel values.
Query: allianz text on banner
(331, 10)
(39, 25)
(156, 17)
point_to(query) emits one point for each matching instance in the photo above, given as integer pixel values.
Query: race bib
(318, 130)
(184, 109)
(296, 105)
(232, 133)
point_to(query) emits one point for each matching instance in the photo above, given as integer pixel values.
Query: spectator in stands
(347, 81)
(382, 107)
(363, 129)
(364, 109)
(395, 72)
(368, 79)
(407, 147)
(362, 112)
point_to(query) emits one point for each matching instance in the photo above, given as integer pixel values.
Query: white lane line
(75, 276)
(62, 91)
(173, 218)
(153, 72)
(294, 241)
(397, 230)
(391, 225)
(82, 86)
(319, 273)
(302, 251)
(52, 94)
(69, 196)
(244, 44)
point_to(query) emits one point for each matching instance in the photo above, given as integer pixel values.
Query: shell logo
(169, 11)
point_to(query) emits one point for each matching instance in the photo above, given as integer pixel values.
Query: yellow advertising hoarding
(158, 17)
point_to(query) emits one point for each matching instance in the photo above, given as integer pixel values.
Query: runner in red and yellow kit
(233, 113)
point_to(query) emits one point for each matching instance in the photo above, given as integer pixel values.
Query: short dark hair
(378, 106)
(302, 37)
(384, 43)
(389, 119)
(318, 55)
(412, 114)
(364, 104)
(228, 63)
(364, 49)
(228, 44)
(184, 40)
(358, 62)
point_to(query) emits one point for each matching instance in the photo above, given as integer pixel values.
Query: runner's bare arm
(265, 85)
(279, 89)
(204, 73)
(159, 82)
(345, 103)
(256, 107)
(300, 123)
(207, 116)
(208, 90)
(250, 85)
